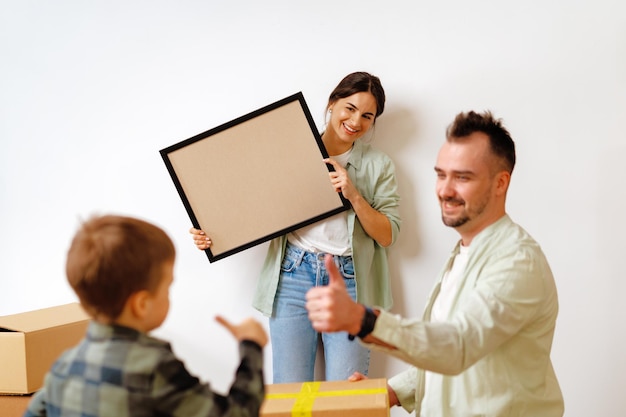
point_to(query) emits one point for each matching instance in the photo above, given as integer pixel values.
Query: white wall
(90, 91)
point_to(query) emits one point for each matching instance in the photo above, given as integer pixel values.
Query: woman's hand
(375, 223)
(341, 181)
(200, 239)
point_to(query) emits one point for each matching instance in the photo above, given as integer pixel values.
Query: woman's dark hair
(359, 82)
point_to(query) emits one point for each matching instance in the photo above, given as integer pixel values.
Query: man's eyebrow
(456, 172)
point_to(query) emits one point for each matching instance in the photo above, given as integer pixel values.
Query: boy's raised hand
(249, 329)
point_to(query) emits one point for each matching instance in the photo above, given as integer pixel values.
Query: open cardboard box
(30, 343)
(366, 398)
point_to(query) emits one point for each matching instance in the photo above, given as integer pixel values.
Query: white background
(90, 91)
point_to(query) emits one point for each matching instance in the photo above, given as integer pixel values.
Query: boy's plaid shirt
(120, 372)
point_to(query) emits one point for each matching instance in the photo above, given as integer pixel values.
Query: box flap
(12, 362)
(44, 347)
(45, 318)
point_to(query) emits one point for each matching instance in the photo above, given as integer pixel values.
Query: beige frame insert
(255, 178)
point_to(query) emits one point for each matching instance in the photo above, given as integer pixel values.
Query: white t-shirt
(449, 286)
(447, 292)
(329, 235)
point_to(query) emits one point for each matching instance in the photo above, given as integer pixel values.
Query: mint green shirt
(373, 174)
(491, 357)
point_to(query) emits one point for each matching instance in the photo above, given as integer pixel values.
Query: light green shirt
(373, 174)
(491, 357)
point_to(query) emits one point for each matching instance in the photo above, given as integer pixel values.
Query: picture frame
(255, 178)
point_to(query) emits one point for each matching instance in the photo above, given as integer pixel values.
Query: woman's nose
(355, 120)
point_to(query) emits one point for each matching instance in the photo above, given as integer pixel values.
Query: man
(482, 347)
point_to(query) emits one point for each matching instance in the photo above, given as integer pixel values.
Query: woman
(357, 238)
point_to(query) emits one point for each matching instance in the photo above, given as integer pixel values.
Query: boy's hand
(249, 329)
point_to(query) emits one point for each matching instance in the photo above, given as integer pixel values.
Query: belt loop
(301, 253)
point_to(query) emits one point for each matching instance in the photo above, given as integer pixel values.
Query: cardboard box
(30, 343)
(14, 405)
(366, 398)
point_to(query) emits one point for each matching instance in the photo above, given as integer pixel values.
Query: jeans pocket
(347, 267)
(291, 259)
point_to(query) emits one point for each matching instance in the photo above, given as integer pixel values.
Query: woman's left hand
(376, 224)
(340, 180)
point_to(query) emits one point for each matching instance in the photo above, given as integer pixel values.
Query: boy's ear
(139, 303)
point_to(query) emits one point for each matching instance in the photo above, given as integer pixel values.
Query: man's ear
(503, 178)
(139, 304)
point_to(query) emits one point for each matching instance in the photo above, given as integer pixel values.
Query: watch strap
(367, 324)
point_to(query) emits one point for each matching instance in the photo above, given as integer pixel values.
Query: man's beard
(465, 216)
(455, 222)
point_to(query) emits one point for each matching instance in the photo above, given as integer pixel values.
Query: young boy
(121, 268)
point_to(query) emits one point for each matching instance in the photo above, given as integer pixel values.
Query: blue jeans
(294, 341)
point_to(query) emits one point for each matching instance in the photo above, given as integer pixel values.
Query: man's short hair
(500, 140)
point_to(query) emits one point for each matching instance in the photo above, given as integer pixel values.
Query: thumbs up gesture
(249, 329)
(330, 307)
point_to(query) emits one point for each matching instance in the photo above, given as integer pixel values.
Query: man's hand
(356, 376)
(249, 329)
(393, 398)
(331, 309)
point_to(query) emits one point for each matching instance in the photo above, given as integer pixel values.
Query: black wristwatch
(367, 325)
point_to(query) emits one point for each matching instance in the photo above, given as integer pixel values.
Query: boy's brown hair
(112, 257)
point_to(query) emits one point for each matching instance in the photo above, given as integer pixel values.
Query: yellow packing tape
(303, 407)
